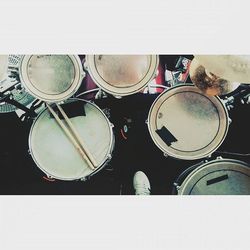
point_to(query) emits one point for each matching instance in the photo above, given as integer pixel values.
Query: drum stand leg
(100, 94)
(8, 99)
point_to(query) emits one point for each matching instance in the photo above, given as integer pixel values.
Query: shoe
(141, 184)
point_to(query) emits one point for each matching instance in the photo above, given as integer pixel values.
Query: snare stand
(8, 98)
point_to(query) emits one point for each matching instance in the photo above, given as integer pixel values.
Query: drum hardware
(34, 108)
(73, 136)
(88, 92)
(109, 167)
(246, 99)
(232, 153)
(242, 95)
(101, 94)
(8, 86)
(47, 178)
(120, 190)
(8, 99)
(176, 184)
(159, 86)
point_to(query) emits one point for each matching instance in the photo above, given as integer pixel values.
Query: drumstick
(72, 139)
(76, 135)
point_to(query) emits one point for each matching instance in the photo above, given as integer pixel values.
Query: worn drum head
(218, 177)
(122, 74)
(51, 78)
(186, 124)
(55, 154)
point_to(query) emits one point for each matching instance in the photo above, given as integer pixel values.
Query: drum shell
(187, 182)
(100, 166)
(176, 153)
(39, 94)
(90, 66)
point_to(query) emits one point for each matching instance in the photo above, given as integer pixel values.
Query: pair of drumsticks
(73, 136)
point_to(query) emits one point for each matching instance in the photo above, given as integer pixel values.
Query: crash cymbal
(209, 83)
(234, 68)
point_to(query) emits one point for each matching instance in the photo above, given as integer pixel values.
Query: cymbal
(209, 83)
(234, 68)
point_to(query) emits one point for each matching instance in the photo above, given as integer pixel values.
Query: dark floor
(20, 175)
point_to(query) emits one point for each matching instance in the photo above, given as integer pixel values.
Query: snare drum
(54, 153)
(122, 75)
(51, 78)
(186, 124)
(218, 177)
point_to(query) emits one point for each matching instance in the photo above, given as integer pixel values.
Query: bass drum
(217, 177)
(51, 78)
(122, 75)
(186, 124)
(54, 153)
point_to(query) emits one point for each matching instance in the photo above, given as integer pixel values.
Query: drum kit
(72, 138)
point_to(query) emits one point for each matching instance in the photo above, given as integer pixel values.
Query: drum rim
(103, 163)
(187, 157)
(121, 91)
(183, 188)
(24, 77)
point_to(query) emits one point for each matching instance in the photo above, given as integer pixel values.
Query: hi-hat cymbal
(234, 68)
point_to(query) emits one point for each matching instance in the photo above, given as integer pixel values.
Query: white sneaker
(141, 184)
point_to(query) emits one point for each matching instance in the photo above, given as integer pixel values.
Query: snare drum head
(55, 154)
(122, 74)
(219, 177)
(51, 78)
(186, 124)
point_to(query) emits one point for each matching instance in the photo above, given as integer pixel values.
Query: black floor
(20, 175)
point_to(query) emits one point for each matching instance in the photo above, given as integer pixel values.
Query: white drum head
(186, 124)
(51, 78)
(55, 154)
(122, 74)
(219, 177)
